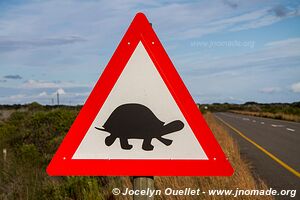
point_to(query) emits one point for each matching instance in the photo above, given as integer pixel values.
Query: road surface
(272, 147)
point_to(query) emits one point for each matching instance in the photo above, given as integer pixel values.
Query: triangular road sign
(140, 119)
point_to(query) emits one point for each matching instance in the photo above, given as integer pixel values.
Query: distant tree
(34, 106)
(251, 103)
(296, 104)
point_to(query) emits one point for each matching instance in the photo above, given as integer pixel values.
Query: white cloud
(9, 44)
(270, 90)
(46, 98)
(60, 91)
(264, 17)
(216, 19)
(284, 43)
(82, 94)
(42, 94)
(31, 84)
(283, 53)
(16, 97)
(245, 17)
(296, 87)
(38, 84)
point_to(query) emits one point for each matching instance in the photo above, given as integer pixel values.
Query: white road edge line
(275, 125)
(289, 129)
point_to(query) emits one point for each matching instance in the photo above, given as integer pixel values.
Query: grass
(279, 115)
(32, 135)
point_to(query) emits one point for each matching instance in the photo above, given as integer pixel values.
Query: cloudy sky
(225, 50)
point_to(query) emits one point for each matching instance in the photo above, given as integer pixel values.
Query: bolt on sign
(140, 119)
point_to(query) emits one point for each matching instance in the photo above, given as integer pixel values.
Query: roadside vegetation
(31, 134)
(283, 111)
(279, 115)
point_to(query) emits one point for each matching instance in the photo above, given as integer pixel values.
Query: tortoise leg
(147, 146)
(125, 144)
(165, 141)
(109, 140)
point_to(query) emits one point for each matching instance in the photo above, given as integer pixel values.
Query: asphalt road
(277, 137)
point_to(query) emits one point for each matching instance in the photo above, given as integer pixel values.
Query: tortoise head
(173, 126)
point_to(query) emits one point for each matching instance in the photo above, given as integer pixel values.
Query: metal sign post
(143, 183)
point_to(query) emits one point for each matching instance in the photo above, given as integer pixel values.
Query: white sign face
(140, 91)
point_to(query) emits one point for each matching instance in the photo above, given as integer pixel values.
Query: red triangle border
(62, 164)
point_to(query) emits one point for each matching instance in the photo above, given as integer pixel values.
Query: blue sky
(225, 50)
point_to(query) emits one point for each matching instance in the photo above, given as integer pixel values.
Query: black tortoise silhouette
(136, 121)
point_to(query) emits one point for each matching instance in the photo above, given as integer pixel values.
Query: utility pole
(57, 94)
